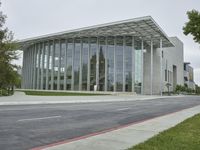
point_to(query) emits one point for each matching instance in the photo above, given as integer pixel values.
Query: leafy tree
(8, 73)
(193, 25)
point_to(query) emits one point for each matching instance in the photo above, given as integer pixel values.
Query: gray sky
(29, 18)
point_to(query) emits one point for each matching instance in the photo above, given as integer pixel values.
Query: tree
(8, 71)
(193, 25)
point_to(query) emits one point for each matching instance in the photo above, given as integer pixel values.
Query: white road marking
(121, 109)
(32, 119)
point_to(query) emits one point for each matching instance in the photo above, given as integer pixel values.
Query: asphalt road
(28, 126)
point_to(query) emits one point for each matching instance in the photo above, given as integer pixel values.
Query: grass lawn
(42, 93)
(184, 136)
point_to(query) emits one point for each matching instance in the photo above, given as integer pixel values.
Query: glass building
(108, 57)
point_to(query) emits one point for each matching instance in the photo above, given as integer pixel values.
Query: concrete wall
(147, 71)
(173, 56)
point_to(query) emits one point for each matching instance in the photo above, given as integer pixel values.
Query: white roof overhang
(143, 27)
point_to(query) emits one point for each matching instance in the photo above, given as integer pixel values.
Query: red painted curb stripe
(104, 131)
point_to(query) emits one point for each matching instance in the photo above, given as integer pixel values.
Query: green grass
(43, 93)
(184, 136)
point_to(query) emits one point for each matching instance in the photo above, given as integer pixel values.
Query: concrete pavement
(19, 98)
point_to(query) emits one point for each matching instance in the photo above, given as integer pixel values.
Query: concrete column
(161, 68)
(38, 69)
(52, 65)
(65, 71)
(23, 63)
(133, 65)
(34, 66)
(123, 86)
(47, 69)
(24, 69)
(88, 75)
(106, 66)
(72, 82)
(28, 68)
(114, 64)
(142, 67)
(42, 69)
(151, 67)
(59, 65)
(97, 63)
(80, 72)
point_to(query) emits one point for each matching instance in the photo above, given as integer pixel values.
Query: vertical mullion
(114, 64)
(142, 67)
(151, 67)
(133, 65)
(59, 65)
(42, 70)
(52, 66)
(123, 88)
(34, 66)
(73, 51)
(47, 66)
(106, 66)
(97, 63)
(88, 74)
(161, 68)
(38, 72)
(65, 66)
(80, 70)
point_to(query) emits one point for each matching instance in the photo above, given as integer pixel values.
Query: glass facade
(82, 63)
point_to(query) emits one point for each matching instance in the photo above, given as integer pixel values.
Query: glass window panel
(128, 64)
(77, 63)
(85, 63)
(110, 64)
(93, 57)
(138, 65)
(119, 63)
(102, 51)
(62, 64)
(56, 64)
(50, 63)
(44, 65)
(69, 63)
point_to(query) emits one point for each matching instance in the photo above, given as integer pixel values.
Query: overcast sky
(29, 18)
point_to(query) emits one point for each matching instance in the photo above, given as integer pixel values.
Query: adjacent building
(126, 56)
(188, 76)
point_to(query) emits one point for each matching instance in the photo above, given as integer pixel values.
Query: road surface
(29, 126)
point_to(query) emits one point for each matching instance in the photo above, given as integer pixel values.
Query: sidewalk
(19, 98)
(125, 136)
